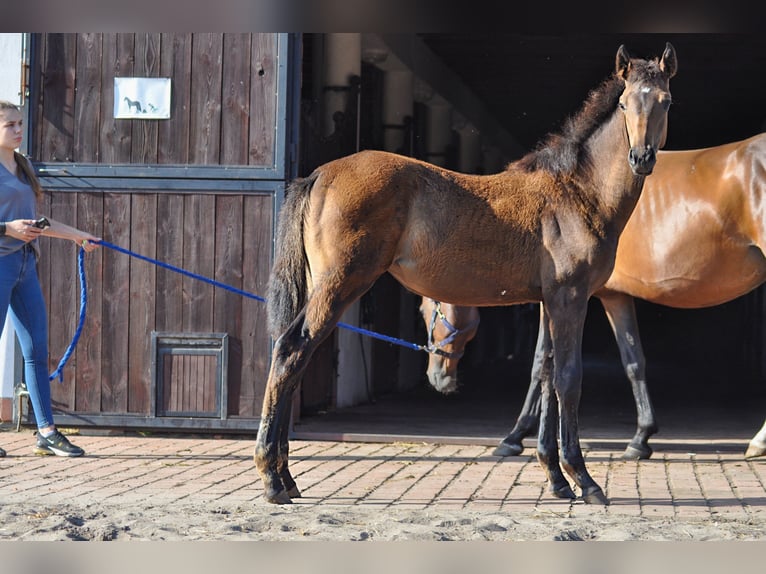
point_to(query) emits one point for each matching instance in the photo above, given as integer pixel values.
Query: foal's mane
(561, 153)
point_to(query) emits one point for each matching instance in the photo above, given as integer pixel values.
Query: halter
(437, 349)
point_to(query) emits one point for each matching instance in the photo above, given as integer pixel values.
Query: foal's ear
(669, 63)
(622, 62)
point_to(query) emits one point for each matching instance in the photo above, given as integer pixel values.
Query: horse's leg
(621, 312)
(284, 448)
(529, 417)
(566, 311)
(547, 447)
(291, 354)
(757, 446)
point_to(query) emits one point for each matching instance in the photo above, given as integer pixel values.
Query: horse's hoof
(637, 452)
(294, 492)
(595, 495)
(563, 491)
(506, 449)
(281, 497)
(754, 451)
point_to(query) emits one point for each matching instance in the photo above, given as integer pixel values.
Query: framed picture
(142, 98)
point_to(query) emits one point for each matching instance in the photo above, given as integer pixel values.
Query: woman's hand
(23, 229)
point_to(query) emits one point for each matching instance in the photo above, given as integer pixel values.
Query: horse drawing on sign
(544, 229)
(697, 238)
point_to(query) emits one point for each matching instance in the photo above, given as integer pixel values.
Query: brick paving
(683, 479)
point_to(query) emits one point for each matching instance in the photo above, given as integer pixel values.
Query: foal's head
(645, 102)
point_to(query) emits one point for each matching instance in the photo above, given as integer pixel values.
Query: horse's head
(449, 330)
(645, 102)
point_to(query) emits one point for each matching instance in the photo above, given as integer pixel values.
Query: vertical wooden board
(117, 61)
(235, 96)
(147, 64)
(58, 96)
(90, 217)
(199, 258)
(63, 303)
(43, 262)
(228, 270)
(173, 133)
(170, 250)
(167, 386)
(263, 100)
(142, 301)
(256, 266)
(202, 381)
(205, 108)
(115, 305)
(88, 93)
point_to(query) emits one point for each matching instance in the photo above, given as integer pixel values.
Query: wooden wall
(224, 113)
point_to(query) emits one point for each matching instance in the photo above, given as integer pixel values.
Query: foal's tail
(287, 288)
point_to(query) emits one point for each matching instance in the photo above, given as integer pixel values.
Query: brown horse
(697, 238)
(545, 229)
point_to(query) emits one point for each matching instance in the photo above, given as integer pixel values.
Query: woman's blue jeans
(20, 292)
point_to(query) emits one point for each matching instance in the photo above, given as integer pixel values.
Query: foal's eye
(622, 106)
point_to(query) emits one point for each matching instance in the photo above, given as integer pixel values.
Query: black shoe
(56, 444)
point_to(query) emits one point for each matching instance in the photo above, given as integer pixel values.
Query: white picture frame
(142, 98)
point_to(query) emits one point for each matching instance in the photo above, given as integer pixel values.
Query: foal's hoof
(562, 491)
(754, 451)
(637, 452)
(294, 492)
(507, 449)
(281, 497)
(595, 495)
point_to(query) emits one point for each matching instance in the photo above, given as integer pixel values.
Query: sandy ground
(263, 522)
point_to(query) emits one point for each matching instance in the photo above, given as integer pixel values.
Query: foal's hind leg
(292, 352)
(621, 312)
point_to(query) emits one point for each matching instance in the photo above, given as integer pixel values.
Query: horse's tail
(286, 293)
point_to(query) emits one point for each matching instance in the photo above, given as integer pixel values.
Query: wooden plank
(147, 64)
(173, 134)
(90, 217)
(58, 97)
(199, 258)
(263, 100)
(88, 93)
(143, 291)
(115, 305)
(205, 103)
(170, 249)
(116, 135)
(235, 107)
(227, 316)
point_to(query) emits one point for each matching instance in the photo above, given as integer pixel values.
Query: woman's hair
(21, 161)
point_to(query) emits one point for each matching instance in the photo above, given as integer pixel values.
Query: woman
(20, 290)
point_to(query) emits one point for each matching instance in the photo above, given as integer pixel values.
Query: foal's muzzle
(642, 160)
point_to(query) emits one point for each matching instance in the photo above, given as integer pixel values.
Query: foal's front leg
(567, 320)
(547, 447)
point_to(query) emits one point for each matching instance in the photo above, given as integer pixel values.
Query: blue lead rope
(84, 299)
(59, 372)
